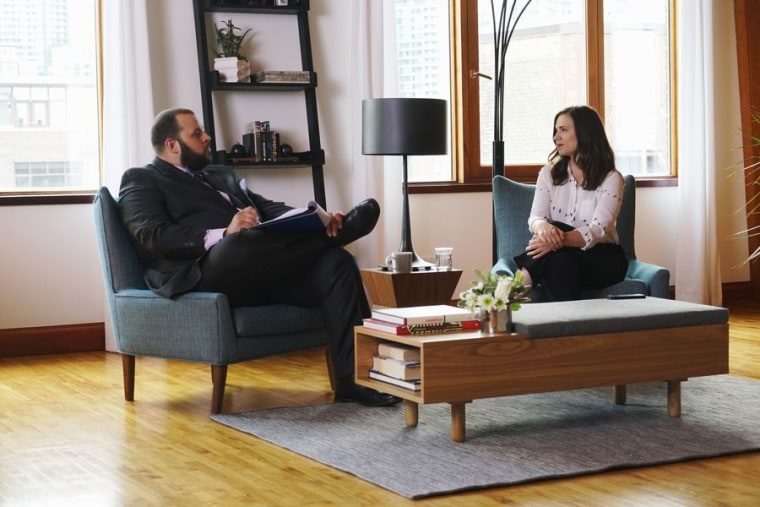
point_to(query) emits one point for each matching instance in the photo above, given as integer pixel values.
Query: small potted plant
(230, 62)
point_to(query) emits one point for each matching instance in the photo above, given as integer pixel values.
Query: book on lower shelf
(432, 314)
(415, 329)
(413, 385)
(402, 370)
(398, 351)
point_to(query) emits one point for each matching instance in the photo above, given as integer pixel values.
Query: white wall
(50, 271)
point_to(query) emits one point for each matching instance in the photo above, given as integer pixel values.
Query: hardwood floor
(67, 437)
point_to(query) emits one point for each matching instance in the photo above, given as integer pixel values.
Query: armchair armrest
(501, 268)
(656, 278)
(196, 326)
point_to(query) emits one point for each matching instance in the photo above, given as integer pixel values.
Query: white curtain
(127, 98)
(373, 75)
(696, 240)
(127, 94)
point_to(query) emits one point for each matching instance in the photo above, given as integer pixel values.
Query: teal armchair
(512, 202)
(197, 326)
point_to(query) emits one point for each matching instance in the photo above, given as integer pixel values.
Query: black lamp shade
(404, 126)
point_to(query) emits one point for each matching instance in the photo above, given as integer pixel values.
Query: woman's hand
(549, 239)
(552, 236)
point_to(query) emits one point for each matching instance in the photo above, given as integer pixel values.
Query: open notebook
(312, 217)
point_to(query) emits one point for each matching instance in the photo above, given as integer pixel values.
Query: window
(637, 84)
(49, 135)
(563, 52)
(424, 70)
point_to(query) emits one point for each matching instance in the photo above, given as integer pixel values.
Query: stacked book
(422, 320)
(398, 365)
(283, 76)
(262, 144)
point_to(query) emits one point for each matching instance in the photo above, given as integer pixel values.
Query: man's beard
(191, 159)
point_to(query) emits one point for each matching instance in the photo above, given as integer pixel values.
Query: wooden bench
(599, 342)
(560, 346)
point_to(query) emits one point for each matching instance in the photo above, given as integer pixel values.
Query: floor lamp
(405, 126)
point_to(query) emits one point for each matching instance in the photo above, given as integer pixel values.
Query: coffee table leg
(674, 398)
(620, 394)
(457, 421)
(411, 413)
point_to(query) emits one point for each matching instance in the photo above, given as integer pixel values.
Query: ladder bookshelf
(211, 83)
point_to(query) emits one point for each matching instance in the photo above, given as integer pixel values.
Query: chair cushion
(275, 319)
(569, 318)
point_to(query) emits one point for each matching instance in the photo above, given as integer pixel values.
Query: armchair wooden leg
(128, 370)
(219, 378)
(330, 368)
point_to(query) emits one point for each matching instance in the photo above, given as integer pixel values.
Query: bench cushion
(594, 316)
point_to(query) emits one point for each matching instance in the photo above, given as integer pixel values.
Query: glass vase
(496, 321)
(504, 320)
(493, 321)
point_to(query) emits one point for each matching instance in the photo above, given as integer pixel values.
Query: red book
(438, 327)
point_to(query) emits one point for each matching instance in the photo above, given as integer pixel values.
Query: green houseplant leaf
(229, 40)
(750, 168)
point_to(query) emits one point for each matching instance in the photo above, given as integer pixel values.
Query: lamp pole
(406, 224)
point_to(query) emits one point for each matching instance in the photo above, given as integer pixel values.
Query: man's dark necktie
(238, 198)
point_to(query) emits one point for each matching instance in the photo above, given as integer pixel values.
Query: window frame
(469, 173)
(38, 197)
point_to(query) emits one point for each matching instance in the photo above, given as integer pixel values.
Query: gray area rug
(517, 439)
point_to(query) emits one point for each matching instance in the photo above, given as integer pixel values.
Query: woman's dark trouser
(309, 270)
(566, 272)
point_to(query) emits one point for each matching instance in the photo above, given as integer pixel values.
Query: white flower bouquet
(491, 292)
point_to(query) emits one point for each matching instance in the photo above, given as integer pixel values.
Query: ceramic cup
(443, 258)
(399, 262)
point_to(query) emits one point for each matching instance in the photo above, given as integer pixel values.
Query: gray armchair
(197, 326)
(512, 202)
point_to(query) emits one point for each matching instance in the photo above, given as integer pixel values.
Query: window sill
(38, 199)
(458, 188)
(414, 188)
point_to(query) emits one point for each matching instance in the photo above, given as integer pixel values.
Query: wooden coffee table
(459, 367)
(453, 370)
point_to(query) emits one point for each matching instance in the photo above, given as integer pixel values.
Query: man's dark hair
(594, 153)
(165, 126)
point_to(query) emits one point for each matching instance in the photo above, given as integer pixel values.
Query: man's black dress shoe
(358, 222)
(350, 392)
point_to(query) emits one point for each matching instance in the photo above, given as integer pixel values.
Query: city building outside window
(49, 129)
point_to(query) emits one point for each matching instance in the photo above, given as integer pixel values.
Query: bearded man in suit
(193, 224)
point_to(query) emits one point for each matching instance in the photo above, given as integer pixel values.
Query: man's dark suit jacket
(167, 212)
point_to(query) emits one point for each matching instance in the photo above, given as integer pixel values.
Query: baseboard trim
(32, 341)
(738, 292)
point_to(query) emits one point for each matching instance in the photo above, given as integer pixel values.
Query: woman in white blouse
(575, 245)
